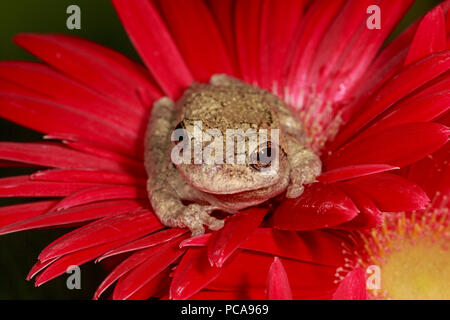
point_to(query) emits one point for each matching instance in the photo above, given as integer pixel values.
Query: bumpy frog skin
(224, 103)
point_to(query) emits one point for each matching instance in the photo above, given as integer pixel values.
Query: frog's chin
(211, 180)
(267, 190)
(238, 192)
(233, 202)
(230, 189)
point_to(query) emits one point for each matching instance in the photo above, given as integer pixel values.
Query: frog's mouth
(223, 180)
(262, 193)
(233, 202)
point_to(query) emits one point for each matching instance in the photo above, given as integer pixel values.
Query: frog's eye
(179, 133)
(263, 156)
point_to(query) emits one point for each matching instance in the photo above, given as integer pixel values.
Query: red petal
(156, 287)
(389, 62)
(369, 215)
(133, 164)
(100, 193)
(155, 45)
(237, 229)
(353, 287)
(392, 193)
(396, 146)
(198, 38)
(309, 246)
(150, 289)
(394, 90)
(22, 186)
(320, 206)
(340, 33)
(9, 87)
(199, 241)
(123, 268)
(49, 117)
(448, 31)
(249, 270)
(431, 36)
(431, 172)
(161, 258)
(342, 36)
(100, 177)
(192, 274)
(55, 155)
(61, 89)
(361, 49)
(412, 110)
(78, 258)
(247, 24)
(278, 287)
(18, 212)
(350, 172)
(146, 242)
(137, 223)
(318, 247)
(223, 16)
(279, 22)
(313, 26)
(108, 71)
(38, 267)
(69, 216)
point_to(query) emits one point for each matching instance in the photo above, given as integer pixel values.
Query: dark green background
(99, 23)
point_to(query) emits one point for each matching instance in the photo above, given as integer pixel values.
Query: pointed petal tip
(155, 44)
(430, 37)
(19, 37)
(353, 287)
(195, 241)
(353, 171)
(278, 287)
(224, 242)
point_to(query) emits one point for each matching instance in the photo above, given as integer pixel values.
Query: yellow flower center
(418, 270)
(410, 256)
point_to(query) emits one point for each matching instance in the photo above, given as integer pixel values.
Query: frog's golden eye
(263, 156)
(179, 133)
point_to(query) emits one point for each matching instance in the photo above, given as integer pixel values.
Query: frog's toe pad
(294, 191)
(214, 223)
(195, 216)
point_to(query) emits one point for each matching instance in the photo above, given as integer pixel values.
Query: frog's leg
(164, 193)
(305, 164)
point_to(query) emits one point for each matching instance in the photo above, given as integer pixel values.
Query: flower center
(411, 255)
(418, 270)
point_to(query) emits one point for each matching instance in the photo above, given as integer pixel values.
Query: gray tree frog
(185, 194)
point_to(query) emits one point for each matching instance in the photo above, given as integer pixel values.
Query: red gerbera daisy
(368, 111)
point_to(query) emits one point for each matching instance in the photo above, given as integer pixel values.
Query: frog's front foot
(305, 172)
(300, 178)
(194, 217)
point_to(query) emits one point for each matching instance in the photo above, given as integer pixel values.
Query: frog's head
(232, 162)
